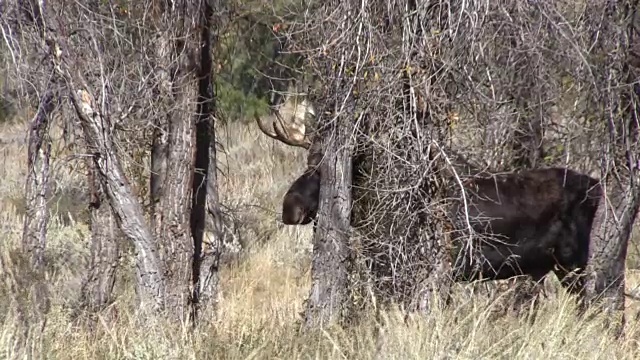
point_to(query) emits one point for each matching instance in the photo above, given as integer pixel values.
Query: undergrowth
(263, 290)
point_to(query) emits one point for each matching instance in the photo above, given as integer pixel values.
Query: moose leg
(527, 291)
(572, 280)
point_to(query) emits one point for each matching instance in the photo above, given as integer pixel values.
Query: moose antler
(292, 133)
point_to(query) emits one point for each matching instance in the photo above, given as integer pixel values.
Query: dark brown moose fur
(300, 204)
(531, 222)
(537, 221)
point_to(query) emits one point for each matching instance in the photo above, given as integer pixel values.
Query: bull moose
(530, 222)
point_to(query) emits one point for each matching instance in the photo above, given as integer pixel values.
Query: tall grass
(263, 292)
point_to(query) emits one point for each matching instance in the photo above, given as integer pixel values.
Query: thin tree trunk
(150, 282)
(126, 208)
(205, 263)
(331, 251)
(97, 289)
(34, 236)
(159, 147)
(212, 249)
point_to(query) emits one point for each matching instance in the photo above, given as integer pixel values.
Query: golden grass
(263, 293)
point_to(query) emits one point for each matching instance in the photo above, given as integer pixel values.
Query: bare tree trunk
(173, 161)
(163, 50)
(127, 210)
(125, 206)
(331, 251)
(205, 261)
(98, 286)
(618, 209)
(34, 236)
(610, 238)
(175, 206)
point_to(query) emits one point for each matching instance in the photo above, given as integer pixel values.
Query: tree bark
(175, 206)
(34, 236)
(158, 167)
(164, 92)
(173, 216)
(205, 261)
(126, 208)
(609, 241)
(331, 251)
(605, 282)
(97, 289)
(180, 202)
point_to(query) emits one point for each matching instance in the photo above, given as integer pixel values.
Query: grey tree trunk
(97, 289)
(175, 206)
(605, 282)
(34, 236)
(127, 210)
(609, 241)
(331, 262)
(181, 158)
(164, 92)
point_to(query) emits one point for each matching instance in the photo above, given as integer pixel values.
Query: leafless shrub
(509, 85)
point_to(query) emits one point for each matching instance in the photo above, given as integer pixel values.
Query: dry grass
(263, 292)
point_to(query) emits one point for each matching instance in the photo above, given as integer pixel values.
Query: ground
(263, 290)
